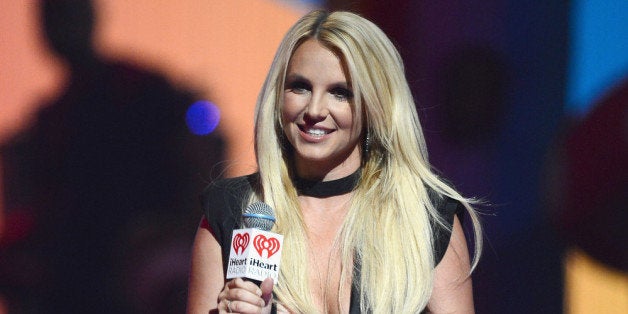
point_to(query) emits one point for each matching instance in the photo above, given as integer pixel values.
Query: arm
(453, 292)
(206, 274)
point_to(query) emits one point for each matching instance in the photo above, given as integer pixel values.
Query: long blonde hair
(388, 229)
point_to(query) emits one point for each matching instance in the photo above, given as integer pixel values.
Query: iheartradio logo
(240, 242)
(270, 245)
(261, 243)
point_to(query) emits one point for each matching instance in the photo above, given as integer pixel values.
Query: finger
(224, 293)
(245, 284)
(267, 290)
(233, 283)
(237, 306)
(225, 306)
(244, 295)
(229, 307)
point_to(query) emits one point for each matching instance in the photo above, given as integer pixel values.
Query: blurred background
(115, 114)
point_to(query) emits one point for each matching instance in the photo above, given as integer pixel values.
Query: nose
(317, 107)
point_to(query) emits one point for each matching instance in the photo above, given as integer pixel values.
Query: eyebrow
(296, 77)
(299, 77)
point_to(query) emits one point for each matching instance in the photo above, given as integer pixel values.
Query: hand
(241, 296)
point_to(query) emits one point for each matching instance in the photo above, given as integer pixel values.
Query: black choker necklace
(327, 188)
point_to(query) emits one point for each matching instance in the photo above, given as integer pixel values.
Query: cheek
(289, 114)
(291, 108)
(345, 119)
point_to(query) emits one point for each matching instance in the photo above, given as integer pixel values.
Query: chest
(331, 292)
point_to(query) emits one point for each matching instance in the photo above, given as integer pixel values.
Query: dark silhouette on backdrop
(110, 177)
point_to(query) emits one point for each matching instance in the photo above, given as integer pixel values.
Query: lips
(316, 132)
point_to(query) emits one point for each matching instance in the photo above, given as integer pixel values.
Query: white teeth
(316, 132)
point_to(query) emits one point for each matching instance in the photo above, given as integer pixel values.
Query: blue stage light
(202, 117)
(598, 57)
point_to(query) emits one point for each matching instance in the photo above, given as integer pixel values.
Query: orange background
(220, 49)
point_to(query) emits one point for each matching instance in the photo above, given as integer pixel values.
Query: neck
(329, 168)
(319, 172)
(322, 188)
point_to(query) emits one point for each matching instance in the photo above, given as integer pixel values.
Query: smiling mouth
(315, 132)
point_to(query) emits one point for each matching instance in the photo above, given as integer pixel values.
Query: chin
(315, 157)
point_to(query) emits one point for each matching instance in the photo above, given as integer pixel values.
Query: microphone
(259, 216)
(261, 259)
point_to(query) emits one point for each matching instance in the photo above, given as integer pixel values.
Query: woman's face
(317, 114)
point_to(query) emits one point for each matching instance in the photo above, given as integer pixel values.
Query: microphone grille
(259, 216)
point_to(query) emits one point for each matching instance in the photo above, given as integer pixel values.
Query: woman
(367, 226)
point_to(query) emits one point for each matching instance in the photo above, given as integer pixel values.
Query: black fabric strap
(327, 188)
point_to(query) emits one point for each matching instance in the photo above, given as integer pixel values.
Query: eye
(341, 93)
(298, 87)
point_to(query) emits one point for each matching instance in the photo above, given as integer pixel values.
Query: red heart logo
(240, 241)
(270, 245)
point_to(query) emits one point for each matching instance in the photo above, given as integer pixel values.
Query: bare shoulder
(452, 282)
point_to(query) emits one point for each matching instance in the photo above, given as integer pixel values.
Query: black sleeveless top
(224, 200)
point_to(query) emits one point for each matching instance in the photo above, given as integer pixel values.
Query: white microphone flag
(255, 254)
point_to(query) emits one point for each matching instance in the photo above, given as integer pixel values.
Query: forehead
(312, 57)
